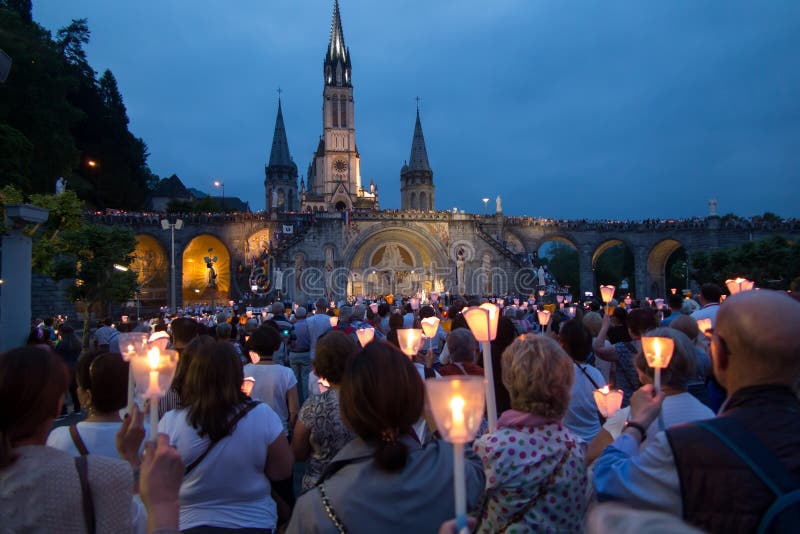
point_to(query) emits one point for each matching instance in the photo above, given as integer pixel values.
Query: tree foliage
(772, 263)
(562, 262)
(615, 264)
(56, 117)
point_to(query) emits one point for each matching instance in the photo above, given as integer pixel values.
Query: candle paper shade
(456, 404)
(704, 325)
(131, 343)
(608, 401)
(739, 284)
(374, 307)
(482, 321)
(430, 325)
(247, 385)
(365, 335)
(568, 298)
(559, 298)
(544, 317)
(153, 371)
(607, 293)
(410, 340)
(159, 339)
(334, 320)
(658, 351)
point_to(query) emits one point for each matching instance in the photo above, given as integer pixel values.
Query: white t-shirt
(272, 383)
(99, 438)
(708, 311)
(228, 488)
(582, 417)
(676, 410)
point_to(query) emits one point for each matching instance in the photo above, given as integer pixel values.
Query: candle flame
(604, 390)
(457, 408)
(154, 358)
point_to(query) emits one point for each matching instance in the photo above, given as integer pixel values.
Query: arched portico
(656, 265)
(195, 280)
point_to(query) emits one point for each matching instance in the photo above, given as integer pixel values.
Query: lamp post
(485, 205)
(177, 225)
(221, 185)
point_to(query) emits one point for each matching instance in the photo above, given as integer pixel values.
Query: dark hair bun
(391, 455)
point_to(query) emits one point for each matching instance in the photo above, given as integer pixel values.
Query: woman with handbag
(535, 470)
(232, 447)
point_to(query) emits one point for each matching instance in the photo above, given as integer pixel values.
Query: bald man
(692, 470)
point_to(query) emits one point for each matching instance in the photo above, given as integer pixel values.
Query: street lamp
(485, 205)
(177, 225)
(221, 185)
(120, 268)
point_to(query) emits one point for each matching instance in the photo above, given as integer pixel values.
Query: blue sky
(566, 109)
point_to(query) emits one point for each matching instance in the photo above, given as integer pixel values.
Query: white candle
(460, 487)
(153, 359)
(488, 374)
(153, 418)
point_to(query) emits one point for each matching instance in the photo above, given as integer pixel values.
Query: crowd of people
(291, 421)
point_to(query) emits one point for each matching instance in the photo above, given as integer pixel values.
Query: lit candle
(482, 321)
(544, 319)
(334, 321)
(365, 335)
(410, 340)
(704, 325)
(608, 402)
(247, 385)
(658, 352)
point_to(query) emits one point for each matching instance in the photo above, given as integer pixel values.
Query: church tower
(416, 176)
(334, 176)
(281, 172)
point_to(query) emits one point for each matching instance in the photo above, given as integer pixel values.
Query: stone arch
(560, 254)
(151, 265)
(423, 201)
(413, 204)
(405, 259)
(657, 259)
(625, 271)
(195, 271)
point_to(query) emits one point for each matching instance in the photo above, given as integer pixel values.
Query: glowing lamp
(374, 307)
(482, 321)
(738, 285)
(674, 290)
(153, 372)
(365, 335)
(607, 293)
(131, 344)
(501, 302)
(334, 321)
(247, 385)
(659, 304)
(410, 340)
(608, 401)
(159, 339)
(571, 311)
(568, 298)
(456, 404)
(430, 325)
(560, 298)
(414, 301)
(704, 325)
(544, 318)
(658, 352)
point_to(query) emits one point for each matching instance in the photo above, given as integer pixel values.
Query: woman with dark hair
(621, 354)
(395, 324)
(43, 489)
(172, 399)
(232, 447)
(320, 433)
(102, 387)
(384, 480)
(582, 416)
(275, 384)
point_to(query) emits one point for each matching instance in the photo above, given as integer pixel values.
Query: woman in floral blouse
(535, 467)
(319, 432)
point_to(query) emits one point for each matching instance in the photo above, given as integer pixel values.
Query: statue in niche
(212, 273)
(61, 185)
(540, 273)
(460, 285)
(498, 204)
(278, 280)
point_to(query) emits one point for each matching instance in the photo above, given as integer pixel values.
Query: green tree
(562, 261)
(773, 262)
(93, 251)
(614, 265)
(23, 8)
(71, 40)
(112, 99)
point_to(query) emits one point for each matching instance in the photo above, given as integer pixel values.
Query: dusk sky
(566, 109)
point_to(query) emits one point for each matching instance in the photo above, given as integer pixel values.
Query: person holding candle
(233, 447)
(102, 387)
(679, 405)
(462, 347)
(320, 432)
(622, 354)
(706, 471)
(582, 416)
(535, 470)
(275, 384)
(43, 489)
(384, 480)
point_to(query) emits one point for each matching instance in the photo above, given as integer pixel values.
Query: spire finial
(279, 94)
(417, 105)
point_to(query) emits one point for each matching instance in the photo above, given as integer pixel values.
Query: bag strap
(599, 415)
(82, 465)
(326, 503)
(78, 440)
(231, 424)
(761, 461)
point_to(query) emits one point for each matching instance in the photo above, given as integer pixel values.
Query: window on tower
(335, 111)
(344, 113)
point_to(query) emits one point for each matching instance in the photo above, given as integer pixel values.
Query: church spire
(279, 156)
(337, 59)
(418, 161)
